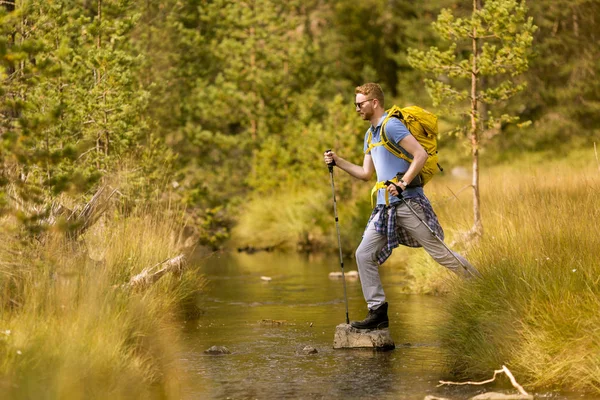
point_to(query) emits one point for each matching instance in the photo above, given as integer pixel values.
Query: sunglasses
(359, 105)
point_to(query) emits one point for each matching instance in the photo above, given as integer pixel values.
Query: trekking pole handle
(332, 163)
(398, 188)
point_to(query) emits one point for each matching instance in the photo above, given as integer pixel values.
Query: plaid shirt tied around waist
(386, 225)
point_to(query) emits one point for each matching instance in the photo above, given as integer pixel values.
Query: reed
(69, 329)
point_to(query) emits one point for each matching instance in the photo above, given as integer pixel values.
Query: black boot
(376, 319)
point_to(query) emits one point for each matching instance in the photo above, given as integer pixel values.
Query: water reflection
(266, 360)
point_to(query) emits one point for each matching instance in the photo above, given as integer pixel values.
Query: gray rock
(501, 396)
(217, 350)
(346, 337)
(309, 350)
(305, 350)
(435, 398)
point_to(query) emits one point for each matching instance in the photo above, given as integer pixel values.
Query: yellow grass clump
(537, 307)
(71, 329)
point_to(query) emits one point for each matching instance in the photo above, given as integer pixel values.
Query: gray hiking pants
(372, 242)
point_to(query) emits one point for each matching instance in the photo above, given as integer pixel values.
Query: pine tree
(566, 103)
(72, 103)
(488, 51)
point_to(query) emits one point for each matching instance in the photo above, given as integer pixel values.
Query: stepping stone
(347, 337)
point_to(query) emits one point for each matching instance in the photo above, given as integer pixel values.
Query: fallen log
(152, 274)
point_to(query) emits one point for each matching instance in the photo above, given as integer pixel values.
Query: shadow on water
(266, 360)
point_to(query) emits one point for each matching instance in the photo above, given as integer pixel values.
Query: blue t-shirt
(386, 164)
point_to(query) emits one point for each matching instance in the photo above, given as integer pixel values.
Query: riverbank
(536, 310)
(71, 327)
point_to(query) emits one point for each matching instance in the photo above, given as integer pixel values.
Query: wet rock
(217, 350)
(346, 337)
(501, 396)
(273, 322)
(347, 275)
(266, 278)
(309, 350)
(434, 398)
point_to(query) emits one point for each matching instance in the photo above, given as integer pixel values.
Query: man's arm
(414, 148)
(363, 172)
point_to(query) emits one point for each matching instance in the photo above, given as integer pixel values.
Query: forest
(133, 129)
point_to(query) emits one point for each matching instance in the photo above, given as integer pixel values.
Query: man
(395, 223)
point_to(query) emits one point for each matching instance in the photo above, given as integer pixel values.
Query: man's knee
(363, 255)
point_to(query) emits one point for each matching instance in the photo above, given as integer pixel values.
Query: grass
(70, 330)
(301, 220)
(536, 310)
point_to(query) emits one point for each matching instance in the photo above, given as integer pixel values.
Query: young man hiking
(392, 222)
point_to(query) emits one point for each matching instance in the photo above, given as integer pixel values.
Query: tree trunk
(98, 82)
(477, 225)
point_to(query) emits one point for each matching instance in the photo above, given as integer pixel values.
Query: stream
(266, 324)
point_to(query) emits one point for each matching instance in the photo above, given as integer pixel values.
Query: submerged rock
(309, 350)
(217, 350)
(347, 275)
(347, 337)
(274, 322)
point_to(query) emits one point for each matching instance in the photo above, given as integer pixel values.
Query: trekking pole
(337, 227)
(399, 189)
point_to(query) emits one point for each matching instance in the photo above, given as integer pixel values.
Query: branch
(148, 276)
(496, 372)
(85, 152)
(483, 37)
(460, 191)
(455, 67)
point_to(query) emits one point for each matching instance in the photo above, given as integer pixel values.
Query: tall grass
(69, 329)
(537, 310)
(301, 219)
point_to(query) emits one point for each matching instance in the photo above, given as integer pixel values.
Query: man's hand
(329, 157)
(395, 189)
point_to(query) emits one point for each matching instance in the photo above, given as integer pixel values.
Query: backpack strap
(370, 145)
(382, 185)
(390, 145)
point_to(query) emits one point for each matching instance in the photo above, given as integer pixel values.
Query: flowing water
(266, 324)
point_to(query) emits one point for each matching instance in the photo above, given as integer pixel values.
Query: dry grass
(68, 330)
(536, 310)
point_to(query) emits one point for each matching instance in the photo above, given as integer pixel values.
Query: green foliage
(504, 35)
(563, 76)
(225, 108)
(73, 104)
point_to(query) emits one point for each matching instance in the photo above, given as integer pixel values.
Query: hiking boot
(376, 319)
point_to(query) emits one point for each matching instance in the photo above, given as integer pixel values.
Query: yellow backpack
(423, 126)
